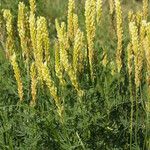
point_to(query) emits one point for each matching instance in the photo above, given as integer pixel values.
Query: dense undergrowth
(80, 81)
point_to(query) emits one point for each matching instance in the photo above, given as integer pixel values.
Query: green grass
(100, 122)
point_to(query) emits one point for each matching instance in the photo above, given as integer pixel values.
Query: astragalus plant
(72, 90)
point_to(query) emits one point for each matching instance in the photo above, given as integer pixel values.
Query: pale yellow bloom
(32, 23)
(99, 4)
(130, 59)
(90, 16)
(138, 53)
(52, 88)
(34, 80)
(78, 47)
(17, 75)
(75, 23)
(58, 66)
(32, 26)
(22, 19)
(145, 9)
(62, 36)
(10, 37)
(119, 59)
(71, 9)
(111, 6)
(32, 5)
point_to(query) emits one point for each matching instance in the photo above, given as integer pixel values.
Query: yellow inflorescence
(119, 60)
(90, 15)
(138, 53)
(78, 45)
(131, 16)
(138, 17)
(130, 59)
(62, 36)
(111, 6)
(23, 30)
(9, 28)
(99, 4)
(32, 24)
(70, 36)
(34, 81)
(148, 31)
(138, 68)
(41, 52)
(142, 32)
(42, 41)
(75, 23)
(58, 66)
(52, 88)
(134, 36)
(17, 76)
(45, 39)
(146, 44)
(32, 5)
(145, 9)
(71, 8)
(39, 41)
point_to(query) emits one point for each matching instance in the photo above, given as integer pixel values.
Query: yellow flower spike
(32, 24)
(71, 9)
(118, 9)
(146, 44)
(58, 28)
(138, 68)
(138, 17)
(46, 42)
(75, 23)
(78, 45)
(17, 75)
(63, 51)
(148, 31)
(9, 28)
(32, 5)
(52, 88)
(39, 41)
(61, 33)
(143, 31)
(130, 59)
(34, 81)
(42, 41)
(22, 30)
(138, 53)
(58, 66)
(62, 36)
(134, 36)
(111, 7)
(99, 4)
(145, 9)
(90, 16)
(63, 40)
(131, 16)
(82, 57)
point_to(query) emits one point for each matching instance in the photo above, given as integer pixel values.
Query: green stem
(136, 122)
(131, 121)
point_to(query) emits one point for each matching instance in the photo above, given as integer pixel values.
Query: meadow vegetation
(74, 75)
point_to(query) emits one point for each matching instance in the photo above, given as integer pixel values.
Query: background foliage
(101, 121)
